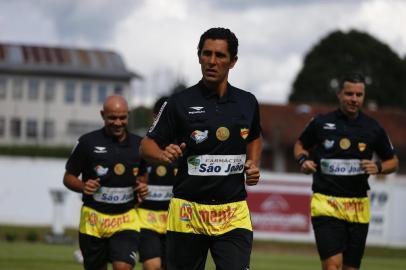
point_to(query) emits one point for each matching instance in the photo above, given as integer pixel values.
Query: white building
(52, 95)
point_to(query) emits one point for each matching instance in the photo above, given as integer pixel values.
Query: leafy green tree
(179, 86)
(140, 118)
(341, 52)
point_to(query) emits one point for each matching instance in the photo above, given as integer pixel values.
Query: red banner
(278, 208)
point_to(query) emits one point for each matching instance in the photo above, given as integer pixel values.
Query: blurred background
(59, 60)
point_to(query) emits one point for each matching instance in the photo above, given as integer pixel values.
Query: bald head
(115, 102)
(115, 116)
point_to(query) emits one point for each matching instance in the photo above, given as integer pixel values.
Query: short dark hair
(158, 104)
(353, 77)
(220, 33)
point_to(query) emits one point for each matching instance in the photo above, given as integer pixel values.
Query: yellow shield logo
(135, 171)
(244, 132)
(362, 146)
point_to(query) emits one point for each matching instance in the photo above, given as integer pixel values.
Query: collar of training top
(209, 93)
(127, 140)
(340, 114)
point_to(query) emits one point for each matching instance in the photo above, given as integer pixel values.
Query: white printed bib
(341, 166)
(159, 193)
(208, 165)
(114, 195)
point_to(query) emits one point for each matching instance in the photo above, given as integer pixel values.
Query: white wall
(279, 203)
(25, 186)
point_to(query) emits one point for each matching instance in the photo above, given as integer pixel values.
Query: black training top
(160, 184)
(216, 132)
(337, 144)
(98, 155)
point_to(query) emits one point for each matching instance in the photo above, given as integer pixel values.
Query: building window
(49, 91)
(69, 92)
(86, 93)
(49, 129)
(3, 89)
(17, 89)
(15, 54)
(31, 128)
(15, 128)
(102, 93)
(33, 89)
(2, 126)
(118, 90)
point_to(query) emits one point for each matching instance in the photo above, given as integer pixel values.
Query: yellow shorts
(102, 225)
(348, 209)
(152, 220)
(190, 217)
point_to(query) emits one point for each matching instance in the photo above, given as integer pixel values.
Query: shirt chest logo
(160, 171)
(222, 133)
(199, 136)
(244, 132)
(100, 170)
(345, 143)
(100, 149)
(330, 126)
(362, 146)
(328, 144)
(196, 110)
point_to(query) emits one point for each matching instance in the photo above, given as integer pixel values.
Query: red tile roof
(283, 124)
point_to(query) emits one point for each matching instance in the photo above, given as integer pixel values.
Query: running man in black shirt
(337, 148)
(112, 182)
(213, 130)
(153, 211)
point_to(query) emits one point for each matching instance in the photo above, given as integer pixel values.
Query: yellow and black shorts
(349, 209)
(191, 217)
(152, 220)
(103, 225)
(195, 228)
(340, 226)
(107, 238)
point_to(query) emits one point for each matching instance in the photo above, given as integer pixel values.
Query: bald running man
(112, 182)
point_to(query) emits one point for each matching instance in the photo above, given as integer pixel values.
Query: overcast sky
(158, 38)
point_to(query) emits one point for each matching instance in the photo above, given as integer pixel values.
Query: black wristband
(379, 166)
(302, 158)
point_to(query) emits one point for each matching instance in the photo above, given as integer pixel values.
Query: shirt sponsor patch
(341, 167)
(159, 193)
(199, 136)
(119, 169)
(328, 144)
(244, 132)
(100, 149)
(100, 170)
(208, 165)
(114, 195)
(161, 170)
(362, 146)
(196, 110)
(222, 133)
(330, 126)
(345, 143)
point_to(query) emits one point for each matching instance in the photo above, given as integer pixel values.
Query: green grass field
(266, 256)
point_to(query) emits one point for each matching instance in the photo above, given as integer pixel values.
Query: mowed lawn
(39, 256)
